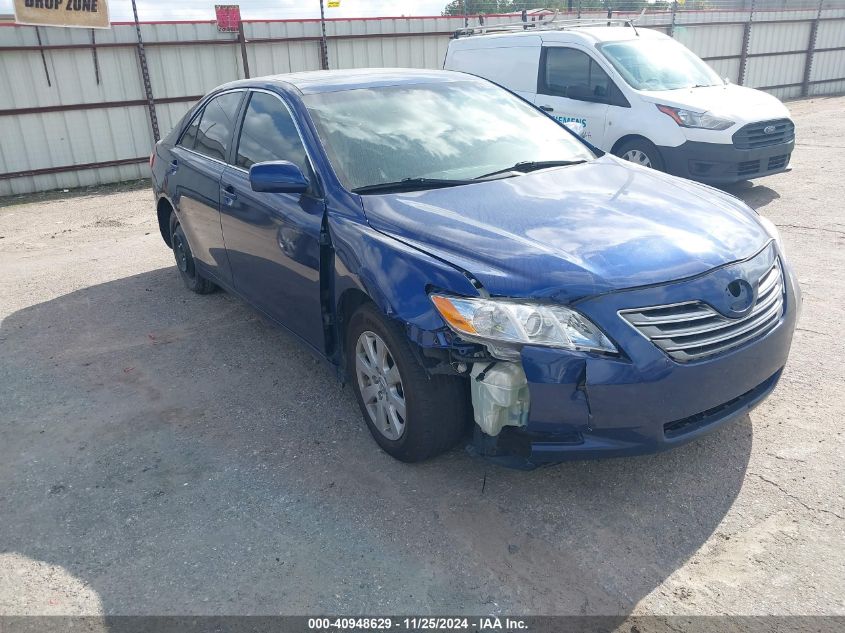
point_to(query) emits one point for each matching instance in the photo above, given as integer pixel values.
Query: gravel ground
(165, 453)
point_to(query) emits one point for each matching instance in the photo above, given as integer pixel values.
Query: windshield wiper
(411, 184)
(532, 165)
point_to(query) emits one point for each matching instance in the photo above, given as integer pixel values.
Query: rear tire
(185, 264)
(641, 152)
(412, 415)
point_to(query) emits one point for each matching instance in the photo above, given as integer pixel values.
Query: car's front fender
(393, 275)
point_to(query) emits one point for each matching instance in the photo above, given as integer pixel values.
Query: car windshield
(443, 131)
(659, 65)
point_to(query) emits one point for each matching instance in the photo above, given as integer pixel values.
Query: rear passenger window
(575, 75)
(215, 125)
(269, 133)
(190, 135)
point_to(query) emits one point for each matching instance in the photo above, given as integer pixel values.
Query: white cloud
(121, 10)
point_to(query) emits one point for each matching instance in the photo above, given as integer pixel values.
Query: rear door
(572, 86)
(273, 239)
(198, 162)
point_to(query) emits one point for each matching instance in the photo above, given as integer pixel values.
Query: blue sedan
(473, 268)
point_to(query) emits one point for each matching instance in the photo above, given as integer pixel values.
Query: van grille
(693, 330)
(754, 135)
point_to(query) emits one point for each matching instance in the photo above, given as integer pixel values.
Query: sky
(121, 10)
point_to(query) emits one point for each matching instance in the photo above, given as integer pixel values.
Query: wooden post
(242, 40)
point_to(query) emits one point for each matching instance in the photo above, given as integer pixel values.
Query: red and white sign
(228, 17)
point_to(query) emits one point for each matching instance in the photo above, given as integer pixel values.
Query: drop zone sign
(89, 14)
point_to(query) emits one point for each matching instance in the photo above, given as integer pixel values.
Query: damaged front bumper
(586, 405)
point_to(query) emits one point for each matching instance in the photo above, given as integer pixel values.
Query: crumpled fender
(396, 276)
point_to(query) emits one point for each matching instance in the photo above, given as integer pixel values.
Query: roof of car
(335, 80)
(588, 34)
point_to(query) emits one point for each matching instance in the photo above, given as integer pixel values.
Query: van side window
(215, 128)
(575, 75)
(268, 133)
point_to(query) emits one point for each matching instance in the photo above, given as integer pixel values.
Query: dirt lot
(162, 452)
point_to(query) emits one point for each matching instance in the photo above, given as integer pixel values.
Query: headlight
(772, 230)
(688, 118)
(515, 323)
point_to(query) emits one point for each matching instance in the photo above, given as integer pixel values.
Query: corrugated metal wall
(188, 59)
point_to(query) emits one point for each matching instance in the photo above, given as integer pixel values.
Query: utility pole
(324, 48)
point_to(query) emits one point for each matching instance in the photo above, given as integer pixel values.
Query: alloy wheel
(380, 385)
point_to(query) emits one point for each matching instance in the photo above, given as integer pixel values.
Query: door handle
(546, 108)
(229, 195)
(174, 165)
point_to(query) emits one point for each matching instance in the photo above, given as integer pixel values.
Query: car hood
(571, 232)
(738, 103)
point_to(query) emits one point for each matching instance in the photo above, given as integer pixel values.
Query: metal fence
(75, 110)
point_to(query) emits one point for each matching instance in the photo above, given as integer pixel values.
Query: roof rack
(549, 24)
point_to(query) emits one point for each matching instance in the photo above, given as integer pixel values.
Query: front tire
(194, 281)
(641, 152)
(412, 415)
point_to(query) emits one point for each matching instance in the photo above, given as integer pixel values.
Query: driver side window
(268, 133)
(575, 75)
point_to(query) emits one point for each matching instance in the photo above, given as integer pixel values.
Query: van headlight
(702, 120)
(517, 323)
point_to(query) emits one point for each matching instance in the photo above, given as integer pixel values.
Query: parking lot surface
(168, 453)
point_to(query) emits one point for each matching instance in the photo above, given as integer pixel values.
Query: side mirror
(277, 176)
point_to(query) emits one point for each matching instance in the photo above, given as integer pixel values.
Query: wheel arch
(164, 209)
(372, 267)
(349, 301)
(629, 137)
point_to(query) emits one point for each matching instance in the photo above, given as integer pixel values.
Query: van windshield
(449, 130)
(659, 64)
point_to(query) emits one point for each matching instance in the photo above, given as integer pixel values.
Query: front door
(273, 239)
(573, 87)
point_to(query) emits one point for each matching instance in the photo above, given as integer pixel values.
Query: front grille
(754, 135)
(693, 330)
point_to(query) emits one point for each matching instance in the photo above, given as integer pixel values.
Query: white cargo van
(638, 93)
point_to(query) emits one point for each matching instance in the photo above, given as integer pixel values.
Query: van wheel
(185, 261)
(641, 152)
(411, 415)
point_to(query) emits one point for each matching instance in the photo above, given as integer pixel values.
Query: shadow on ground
(178, 456)
(754, 195)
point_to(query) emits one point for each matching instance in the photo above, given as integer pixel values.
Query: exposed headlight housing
(702, 120)
(514, 323)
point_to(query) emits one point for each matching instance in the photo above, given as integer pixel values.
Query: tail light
(152, 159)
